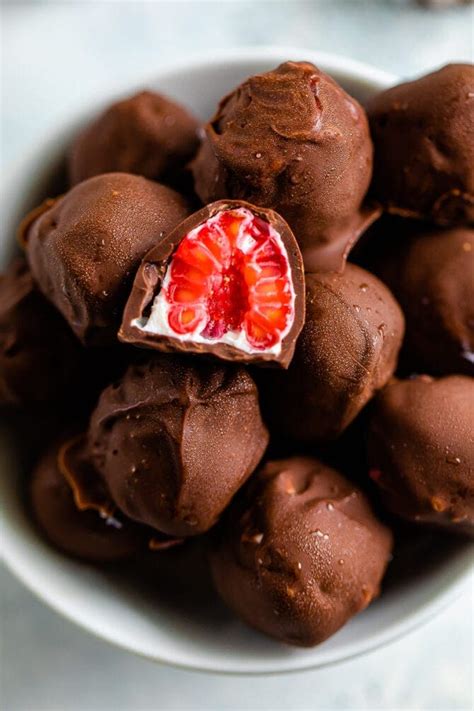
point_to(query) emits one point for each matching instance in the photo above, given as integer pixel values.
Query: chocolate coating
(421, 448)
(40, 358)
(432, 276)
(347, 350)
(175, 439)
(84, 249)
(146, 134)
(82, 534)
(148, 280)
(424, 151)
(91, 494)
(293, 140)
(300, 552)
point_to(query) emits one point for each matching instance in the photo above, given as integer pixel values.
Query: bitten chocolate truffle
(85, 247)
(293, 140)
(432, 276)
(227, 281)
(300, 552)
(175, 439)
(347, 350)
(82, 534)
(40, 359)
(421, 449)
(424, 149)
(146, 134)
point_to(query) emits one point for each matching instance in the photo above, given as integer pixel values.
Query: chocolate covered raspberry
(294, 141)
(300, 551)
(228, 281)
(146, 134)
(174, 439)
(423, 146)
(85, 247)
(421, 449)
(347, 350)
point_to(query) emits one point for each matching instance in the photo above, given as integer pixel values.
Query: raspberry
(230, 276)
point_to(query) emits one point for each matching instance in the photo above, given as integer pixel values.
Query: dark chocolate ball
(421, 449)
(292, 140)
(347, 350)
(175, 439)
(40, 358)
(423, 146)
(85, 247)
(432, 276)
(82, 534)
(299, 552)
(146, 134)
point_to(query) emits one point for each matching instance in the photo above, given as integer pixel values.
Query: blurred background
(56, 56)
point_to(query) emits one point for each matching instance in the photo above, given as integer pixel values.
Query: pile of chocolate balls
(257, 333)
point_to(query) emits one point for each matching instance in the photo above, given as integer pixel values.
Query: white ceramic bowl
(122, 606)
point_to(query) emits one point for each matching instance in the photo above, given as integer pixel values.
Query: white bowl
(121, 606)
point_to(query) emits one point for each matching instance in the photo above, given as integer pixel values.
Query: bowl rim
(413, 621)
(11, 547)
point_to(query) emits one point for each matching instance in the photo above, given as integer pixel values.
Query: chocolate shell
(91, 494)
(175, 439)
(40, 359)
(432, 276)
(421, 450)
(85, 247)
(82, 534)
(151, 275)
(347, 350)
(146, 134)
(299, 552)
(424, 149)
(293, 140)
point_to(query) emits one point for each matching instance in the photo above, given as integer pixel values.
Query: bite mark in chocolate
(227, 281)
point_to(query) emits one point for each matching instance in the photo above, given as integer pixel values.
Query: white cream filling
(157, 323)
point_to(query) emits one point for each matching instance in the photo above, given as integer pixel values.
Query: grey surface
(50, 665)
(55, 55)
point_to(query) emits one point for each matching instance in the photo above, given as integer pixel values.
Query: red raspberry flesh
(231, 273)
